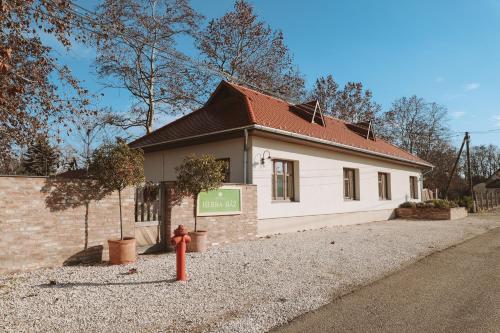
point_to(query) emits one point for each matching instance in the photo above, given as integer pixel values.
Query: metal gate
(150, 234)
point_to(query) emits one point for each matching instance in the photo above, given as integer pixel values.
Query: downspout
(245, 157)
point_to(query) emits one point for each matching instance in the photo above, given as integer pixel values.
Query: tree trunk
(195, 204)
(151, 85)
(121, 220)
(149, 118)
(86, 225)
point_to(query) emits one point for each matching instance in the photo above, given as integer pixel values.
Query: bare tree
(415, 125)
(443, 160)
(355, 104)
(434, 130)
(352, 103)
(91, 130)
(485, 160)
(241, 47)
(420, 128)
(325, 91)
(134, 39)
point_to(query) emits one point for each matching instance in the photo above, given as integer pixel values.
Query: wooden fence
(487, 199)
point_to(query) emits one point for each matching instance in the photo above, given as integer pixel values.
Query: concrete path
(456, 290)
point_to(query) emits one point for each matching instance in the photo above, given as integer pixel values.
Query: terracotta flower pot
(198, 241)
(122, 251)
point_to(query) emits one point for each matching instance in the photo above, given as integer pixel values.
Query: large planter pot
(198, 241)
(122, 251)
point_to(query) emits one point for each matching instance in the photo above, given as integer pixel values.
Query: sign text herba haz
(222, 201)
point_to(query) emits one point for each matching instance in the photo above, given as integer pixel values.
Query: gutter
(339, 145)
(196, 136)
(298, 136)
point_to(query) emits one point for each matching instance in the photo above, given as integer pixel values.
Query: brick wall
(42, 222)
(221, 229)
(431, 213)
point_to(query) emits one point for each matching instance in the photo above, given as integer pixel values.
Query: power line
(176, 55)
(461, 133)
(170, 54)
(485, 131)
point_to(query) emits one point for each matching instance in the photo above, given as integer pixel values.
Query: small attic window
(364, 129)
(309, 111)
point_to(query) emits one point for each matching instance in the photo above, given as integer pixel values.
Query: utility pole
(469, 173)
(455, 165)
(465, 142)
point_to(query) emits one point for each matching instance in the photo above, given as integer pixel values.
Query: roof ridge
(237, 86)
(250, 109)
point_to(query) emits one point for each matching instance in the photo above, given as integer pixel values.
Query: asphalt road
(456, 290)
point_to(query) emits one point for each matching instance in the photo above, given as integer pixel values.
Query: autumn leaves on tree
(245, 49)
(36, 92)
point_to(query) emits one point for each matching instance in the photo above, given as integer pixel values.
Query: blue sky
(444, 51)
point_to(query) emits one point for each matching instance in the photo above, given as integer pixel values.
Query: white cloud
(497, 119)
(458, 114)
(472, 86)
(439, 79)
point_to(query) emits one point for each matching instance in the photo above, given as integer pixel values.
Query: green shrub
(436, 203)
(408, 204)
(466, 202)
(440, 203)
(116, 166)
(199, 174)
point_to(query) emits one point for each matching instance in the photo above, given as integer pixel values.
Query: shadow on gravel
(93, 284)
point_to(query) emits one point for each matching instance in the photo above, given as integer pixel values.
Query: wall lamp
(263, 158)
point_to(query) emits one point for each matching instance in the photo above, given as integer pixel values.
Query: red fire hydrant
(180, 240)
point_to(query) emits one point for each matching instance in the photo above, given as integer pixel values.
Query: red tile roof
(233, 106)
(221, 115)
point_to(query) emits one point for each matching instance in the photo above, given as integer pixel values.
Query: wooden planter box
(431, 213)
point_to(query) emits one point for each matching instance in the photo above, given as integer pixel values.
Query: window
(350, 184)
(227, 169)
(283, 182)
(383, 186)
(413, 187)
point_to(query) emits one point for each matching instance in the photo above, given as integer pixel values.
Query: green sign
(223, 201)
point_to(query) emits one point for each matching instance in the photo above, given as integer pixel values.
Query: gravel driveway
(245, 287)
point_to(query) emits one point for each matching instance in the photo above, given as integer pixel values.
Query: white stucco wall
(320, 181)
(160, 165)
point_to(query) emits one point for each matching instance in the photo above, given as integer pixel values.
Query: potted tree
(116, 166)
(194, 175)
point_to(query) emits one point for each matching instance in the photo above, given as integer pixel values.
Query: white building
(310, 170)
